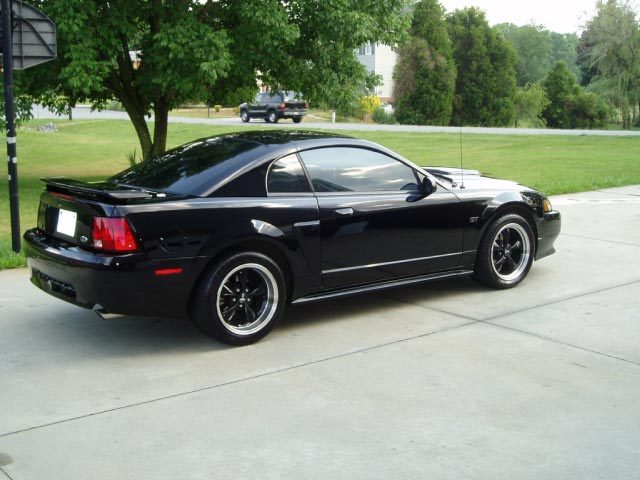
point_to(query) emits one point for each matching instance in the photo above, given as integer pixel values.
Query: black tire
(272, 117)
(244, 116)
(505, 253)
(297, 119)
(222, 310)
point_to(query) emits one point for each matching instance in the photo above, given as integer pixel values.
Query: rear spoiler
(97, 190)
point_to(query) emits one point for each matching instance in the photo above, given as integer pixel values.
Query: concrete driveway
(439, 381)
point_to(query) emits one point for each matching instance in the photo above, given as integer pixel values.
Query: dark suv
(272, 106)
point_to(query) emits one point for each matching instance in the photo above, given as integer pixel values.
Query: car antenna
(461, 169)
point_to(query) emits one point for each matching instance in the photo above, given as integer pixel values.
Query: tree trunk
(142, 130)
(161, 113)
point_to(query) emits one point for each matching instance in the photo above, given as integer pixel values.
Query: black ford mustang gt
(230, 228)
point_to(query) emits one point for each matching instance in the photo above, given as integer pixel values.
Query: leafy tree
(564, 49)
(614, 36)
(22, 108)
(569, 106)
(425, 72)
(583, 57)
(533, 48)
(531, 101)
(303, 45)
(188, 47)
(486, 81)
(562, 89)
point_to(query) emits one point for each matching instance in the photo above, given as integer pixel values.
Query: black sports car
(231, 228)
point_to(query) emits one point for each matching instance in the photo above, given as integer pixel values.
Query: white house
(379, 59)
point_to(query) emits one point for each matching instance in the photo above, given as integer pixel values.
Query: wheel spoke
(231, 310)
(249, 313)
(510, 260)
(243, 280)
(259, 290)
(517, 245)
(500, 262)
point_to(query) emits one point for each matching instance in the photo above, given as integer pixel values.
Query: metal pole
(7, 65)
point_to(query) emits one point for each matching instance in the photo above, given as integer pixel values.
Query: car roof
(202, 166)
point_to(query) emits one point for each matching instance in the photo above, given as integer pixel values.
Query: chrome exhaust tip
(103, 314)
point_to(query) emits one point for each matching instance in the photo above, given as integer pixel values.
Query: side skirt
(381, 286)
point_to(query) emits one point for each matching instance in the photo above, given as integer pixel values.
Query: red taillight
(113, 235)
(282, 107)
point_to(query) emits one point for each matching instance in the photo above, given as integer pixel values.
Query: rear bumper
(548, 230)
(291, 113)
(124, 284)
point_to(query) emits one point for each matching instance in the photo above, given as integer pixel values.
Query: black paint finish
(207, 206)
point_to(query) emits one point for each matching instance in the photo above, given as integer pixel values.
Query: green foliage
(425, 72)
(561, 88)
(612, 48)
(367, 104)
(533, 47)
(22, 108)
(538, 49)
(569, 106)
(531, 101)
(486, 81)
(207, 50)
(303, 45)
(564, 49)
(381, 116)
(133, 158)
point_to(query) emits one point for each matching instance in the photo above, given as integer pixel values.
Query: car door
(374, 223)
(258, 108)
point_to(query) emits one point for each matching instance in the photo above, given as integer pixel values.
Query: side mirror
(427, 186)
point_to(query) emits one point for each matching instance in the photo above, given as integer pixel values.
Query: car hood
(473, 179)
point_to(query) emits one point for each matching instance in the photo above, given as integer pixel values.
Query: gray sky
(562, 16)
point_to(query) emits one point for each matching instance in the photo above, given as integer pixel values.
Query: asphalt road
(86, 113)
(438, 381)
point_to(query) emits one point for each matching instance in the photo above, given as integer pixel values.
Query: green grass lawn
(94, 149)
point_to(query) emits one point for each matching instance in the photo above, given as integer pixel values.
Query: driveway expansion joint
(6, 474)
(599, 239)
(560, 342)
(240, 380)
(560, 300)
(439, 310)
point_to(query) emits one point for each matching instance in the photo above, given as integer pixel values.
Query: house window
(366, 49)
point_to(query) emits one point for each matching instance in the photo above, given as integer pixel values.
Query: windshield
(292, 96)
(190, 169)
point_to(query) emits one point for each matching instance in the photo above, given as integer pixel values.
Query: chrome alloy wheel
(247, 299)
(510, 252)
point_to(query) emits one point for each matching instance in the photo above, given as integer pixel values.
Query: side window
(286, 176)
(350, 169)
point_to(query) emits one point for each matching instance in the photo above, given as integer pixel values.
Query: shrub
(380, 115)
(367, 105)
(217, 108)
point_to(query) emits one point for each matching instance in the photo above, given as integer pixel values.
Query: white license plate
(66, 222)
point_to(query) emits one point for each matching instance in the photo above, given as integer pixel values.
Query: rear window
(190, 169)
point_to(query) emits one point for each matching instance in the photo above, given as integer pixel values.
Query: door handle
(343, 212)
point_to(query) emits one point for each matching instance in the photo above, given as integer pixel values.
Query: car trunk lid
(68, 207)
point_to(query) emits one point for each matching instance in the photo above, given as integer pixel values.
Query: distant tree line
(455, 69)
